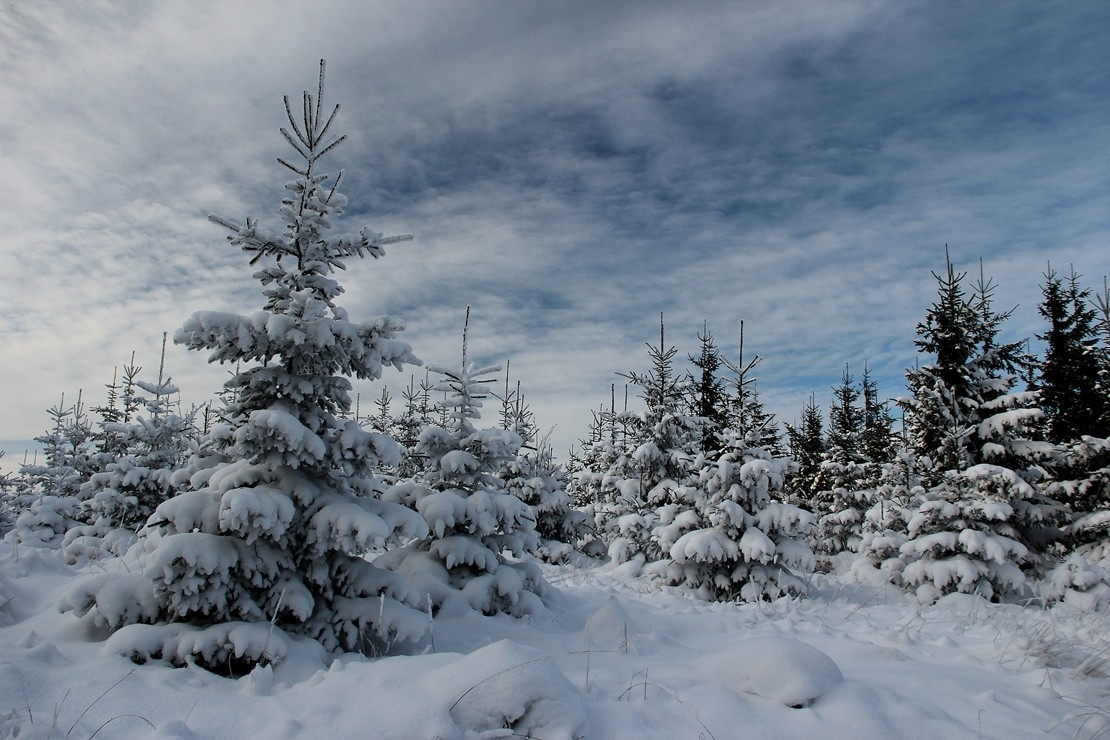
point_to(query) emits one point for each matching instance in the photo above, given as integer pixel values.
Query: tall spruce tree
(971, 371)
(1075, 385)
(269, 539)
(837, 501)
(984, 517)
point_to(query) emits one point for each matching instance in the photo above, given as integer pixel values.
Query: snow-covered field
(609, 660)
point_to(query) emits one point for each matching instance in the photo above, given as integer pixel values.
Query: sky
(570, 170)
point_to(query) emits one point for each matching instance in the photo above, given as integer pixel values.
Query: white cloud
(570, 170)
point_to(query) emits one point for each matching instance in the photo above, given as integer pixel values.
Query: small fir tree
(708, 399)
(46, 504)
(728, 539)
(134, 480)
(877, 441)
(471, 519)
(539, 481)
(844, 441)
(807, 446)
(656, 458)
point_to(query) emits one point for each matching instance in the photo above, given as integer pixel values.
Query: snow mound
(777, 668)
(610, 626)
(515, 688)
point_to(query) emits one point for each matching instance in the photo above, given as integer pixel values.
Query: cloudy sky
(570, 170)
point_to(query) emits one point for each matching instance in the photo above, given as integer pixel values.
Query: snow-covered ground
(610, 660)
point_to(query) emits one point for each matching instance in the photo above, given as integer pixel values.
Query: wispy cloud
(571, 171)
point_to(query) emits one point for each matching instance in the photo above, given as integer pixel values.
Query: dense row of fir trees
(283, 510)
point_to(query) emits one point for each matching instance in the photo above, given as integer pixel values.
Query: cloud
(571, 170)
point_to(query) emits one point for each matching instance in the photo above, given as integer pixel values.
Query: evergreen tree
(534, 477)
(47, 502)
(1082, 471)
(836, 499)
(763, 430)
(590, 486)
(973, 533)
(1071, 371)
(984, 516)
(854, 472)
(876, 440)
(884, 527)
(269, 539)
(7, 501)
(408, 425)
(472, 520)
(724, 536)
(746, 412)
(708, 399)
(1082, 466)
(382, 421)
(655, 458)
(807, 445)
(951, 396)
(1102, 301)
(135, 478)
(844, 443)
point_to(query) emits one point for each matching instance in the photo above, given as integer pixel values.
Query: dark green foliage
(845, 421)
(807, 444)
(1073, 363)
(708, 399)
(877, 443)
(951, 396)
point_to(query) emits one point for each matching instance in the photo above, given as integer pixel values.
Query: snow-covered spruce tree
(745, 412)
(962, 536)
(968, 379)
(843, 486)
(135, 475)
(382, 421)
(269, 538)
(539, 481)
(121, 405)
(471, 519)
(590, 486)
(7, 501)
(806, 443)
(724, 535)
(1082, 471)
(408, 425)
(47, 500)
(845, 438)
(885, 524)
(1072, 383)
(656, 458)
(840, 469)
(761, 429)
(985, 516)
